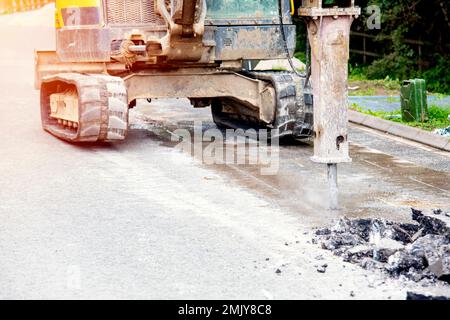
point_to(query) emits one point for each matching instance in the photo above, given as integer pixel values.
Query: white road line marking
(299, 164)
(245, 173)
(377, 165)
(429, 185)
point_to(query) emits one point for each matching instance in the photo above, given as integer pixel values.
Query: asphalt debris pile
(418, 251)
(419, 296)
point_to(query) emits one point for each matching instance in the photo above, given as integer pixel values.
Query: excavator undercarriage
(94, 107)
(193, 49)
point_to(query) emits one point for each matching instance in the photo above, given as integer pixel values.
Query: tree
(414, 40)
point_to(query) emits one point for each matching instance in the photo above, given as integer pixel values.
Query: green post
(413, 95)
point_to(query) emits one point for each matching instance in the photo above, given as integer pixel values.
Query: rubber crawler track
(103, 107)
(294, 110)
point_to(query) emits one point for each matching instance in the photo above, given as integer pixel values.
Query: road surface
(392, 104)
(142, 219)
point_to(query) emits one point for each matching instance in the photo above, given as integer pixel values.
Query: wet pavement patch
(419, 251)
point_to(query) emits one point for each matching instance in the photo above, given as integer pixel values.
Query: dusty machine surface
(112, 52)
(328, 23)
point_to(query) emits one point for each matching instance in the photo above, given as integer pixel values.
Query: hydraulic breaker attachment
(329, 23)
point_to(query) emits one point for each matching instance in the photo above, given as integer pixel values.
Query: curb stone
(400, 130)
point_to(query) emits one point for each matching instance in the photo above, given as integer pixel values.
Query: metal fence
(11, 6)
(368, 48)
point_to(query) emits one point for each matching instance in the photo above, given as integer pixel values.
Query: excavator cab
(235, 9)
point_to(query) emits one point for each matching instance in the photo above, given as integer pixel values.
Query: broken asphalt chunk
(418, 251)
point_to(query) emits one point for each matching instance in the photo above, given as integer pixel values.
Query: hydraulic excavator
(110, 53)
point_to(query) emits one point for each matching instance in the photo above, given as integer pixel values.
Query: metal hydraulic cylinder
(329, 37)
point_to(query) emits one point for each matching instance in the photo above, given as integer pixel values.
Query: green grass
(357, 74)
(370, 87)
(385, 86)
(439, 96)
(300, 56)
(393, 99)
(438, 117)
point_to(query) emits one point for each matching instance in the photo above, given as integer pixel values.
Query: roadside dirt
(370, 88)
